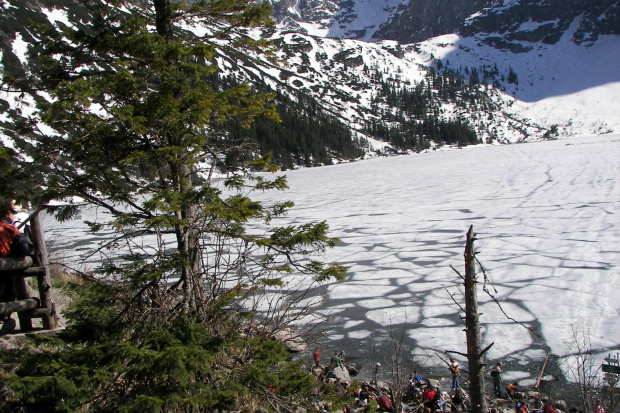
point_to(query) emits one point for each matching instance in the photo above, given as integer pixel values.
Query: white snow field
(547, 215)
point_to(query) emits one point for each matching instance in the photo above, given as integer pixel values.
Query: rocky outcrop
(529, 21)
(546, 21)
(293, 342)
(423, 19)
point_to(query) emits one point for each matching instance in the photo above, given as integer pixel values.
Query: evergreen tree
(512, 77)
(126, 116)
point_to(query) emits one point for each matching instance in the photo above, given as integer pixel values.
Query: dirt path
(16, 339)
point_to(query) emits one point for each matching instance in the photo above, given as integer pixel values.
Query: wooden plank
(37, 312)
(32, 272)
(19, 305)
(11, 263)
(28, 272)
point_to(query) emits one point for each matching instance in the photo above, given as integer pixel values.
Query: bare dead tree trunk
(475, 352)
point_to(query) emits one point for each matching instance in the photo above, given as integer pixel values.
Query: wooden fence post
(49, 317)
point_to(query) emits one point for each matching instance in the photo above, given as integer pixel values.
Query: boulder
(499, 402)
(352, 369)
(293, 342)
(339, 374)
(434, 383)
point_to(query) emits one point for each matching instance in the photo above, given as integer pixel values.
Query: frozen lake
(547, 215)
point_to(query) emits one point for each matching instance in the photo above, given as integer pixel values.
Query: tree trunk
(163, 18)
(472, 328)
(187, 234)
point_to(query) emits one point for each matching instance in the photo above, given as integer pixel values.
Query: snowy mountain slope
(340, 19)
(573, 86)
(565, 55)
(516, 96)
(351, 80)
(551, 65)
(545, 21)
(346, 77)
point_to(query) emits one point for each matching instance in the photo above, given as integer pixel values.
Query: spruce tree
(125, 118)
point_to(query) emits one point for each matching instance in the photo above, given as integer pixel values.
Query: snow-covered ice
(547, 215)
(547, 219)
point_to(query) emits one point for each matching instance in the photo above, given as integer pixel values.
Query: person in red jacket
(551, 408)
(316, 356)
(428, 396)
(384, 404)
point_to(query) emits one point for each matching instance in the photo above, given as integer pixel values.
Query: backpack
(20, 246)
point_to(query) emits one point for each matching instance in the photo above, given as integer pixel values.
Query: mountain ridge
(412, 21)
(468, 83)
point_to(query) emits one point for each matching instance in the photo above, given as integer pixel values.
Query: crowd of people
(427, 396)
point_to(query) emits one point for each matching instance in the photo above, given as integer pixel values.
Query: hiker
(496, 374)
(458, 399)
(364, 396)
(511, 391)
(436, 400)
(376, 372)
(522, 407)
(12, 244)
(334, 361)
(537, 405)
(412, 391)
(385, 405)
(250, 330)
(428, 395)
(417, 378)
(454, 371)
(443, 402)
(551, 408)
(341, 363)
(316, 356)
(20, 216)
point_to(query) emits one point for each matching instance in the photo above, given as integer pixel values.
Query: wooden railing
(27, 305)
